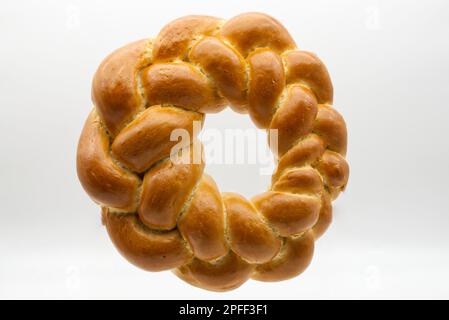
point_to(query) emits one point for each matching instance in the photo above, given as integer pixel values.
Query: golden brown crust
(265, 85)
(114, 87)
(256, 30)
(149, 250)
(226, 67)
(295, 256)
(325, 218)
(174, 39)
(330, 125)
(176, 217)
(288, 213)
(304, 180)
(294, 118)
(182, 85)
(146, 140)
(228, 273)
(165, 190)
(334, 169)
(104, 181)
(203, 223)
(305, 152)
(249, 236)
(305, 67)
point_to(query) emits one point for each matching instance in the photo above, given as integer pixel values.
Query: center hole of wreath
(237, 153)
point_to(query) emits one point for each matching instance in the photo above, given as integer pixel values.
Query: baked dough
(163, 215)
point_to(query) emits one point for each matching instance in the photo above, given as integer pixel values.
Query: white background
(390, 68)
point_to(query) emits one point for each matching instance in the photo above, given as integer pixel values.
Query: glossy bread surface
(165, 214)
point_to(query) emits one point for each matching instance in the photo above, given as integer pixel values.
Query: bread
(163, 215)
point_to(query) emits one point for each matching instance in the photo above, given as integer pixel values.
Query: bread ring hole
(235, 147)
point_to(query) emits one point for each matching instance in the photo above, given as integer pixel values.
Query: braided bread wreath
(163, 215)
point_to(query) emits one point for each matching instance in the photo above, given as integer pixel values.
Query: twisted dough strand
(163, 215)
